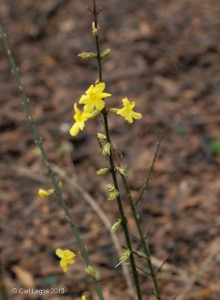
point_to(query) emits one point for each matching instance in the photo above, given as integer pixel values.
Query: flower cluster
(93, 103)
(67, 257)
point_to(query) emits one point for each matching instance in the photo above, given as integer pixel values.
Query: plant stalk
(112, 165)
(144, 241)
(39, 142)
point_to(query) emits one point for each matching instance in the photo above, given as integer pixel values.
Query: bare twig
(73, 182)
(147, 179)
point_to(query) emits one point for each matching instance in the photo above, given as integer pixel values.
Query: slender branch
(144, 240)
(73, 181)
(112, 166)
(147, 179)
(39, 142)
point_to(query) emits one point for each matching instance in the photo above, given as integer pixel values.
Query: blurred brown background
(166, 56)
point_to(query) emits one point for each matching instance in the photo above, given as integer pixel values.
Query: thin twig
(147, 179)
(73, 182)
(111, 162)
(39, 142)
(143, 239)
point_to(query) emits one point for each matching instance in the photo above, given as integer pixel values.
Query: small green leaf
(215, 146)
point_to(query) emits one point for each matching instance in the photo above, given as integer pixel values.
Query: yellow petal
(64, 265)
(43, 193)
(59, 253)
(100, 86)
(100, 105)
(136, 115)
(83, 99)
(68, 254)
(74, 129)
(90, 89)
(125, 101)
(105, 95)
(129, 118)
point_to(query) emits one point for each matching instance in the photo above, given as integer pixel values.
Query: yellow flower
(93, 97)
(45, 193)
(80, 119)
(83, 297)
(127, 111)
(67, 257)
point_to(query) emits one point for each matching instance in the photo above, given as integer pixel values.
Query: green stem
(39, 142)
(144, 241)
(112, 166)
(147, 179)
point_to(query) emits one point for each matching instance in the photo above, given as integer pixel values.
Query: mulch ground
(166, 56)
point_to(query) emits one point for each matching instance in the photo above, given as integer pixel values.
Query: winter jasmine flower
(80, 119)
(67, 257)
(127, 111)
(93, 97)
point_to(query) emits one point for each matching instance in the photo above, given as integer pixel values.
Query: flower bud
(125, 256)
(102, 171)
(116, 226)
(45, 193)
(89, 270)
(120, 170)
(113, 192)
(95, 30)
(105, 53)
(101, 137)
(106, 149)
(87, 55)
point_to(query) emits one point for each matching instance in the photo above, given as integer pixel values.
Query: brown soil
(166, 56)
